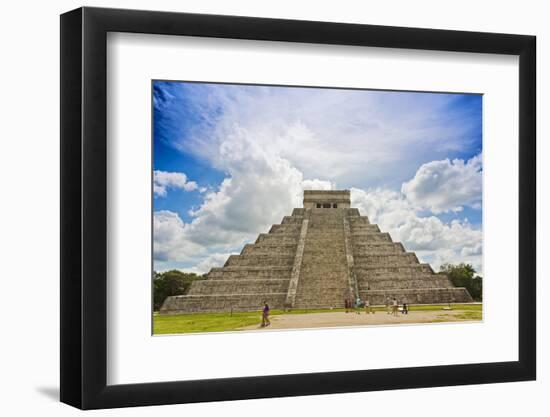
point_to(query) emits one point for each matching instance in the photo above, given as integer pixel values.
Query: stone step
(418, 295)
(292, 220)
(379, 247)
(323, 265)
(279, 238)
(370, 237)
(358, 220)
(319, 235)
(250, 272)
(381, 259)
(324, 269)
(318, 281)
(359, 227)
(327, 246)
(237, 286)
(259, 260)
(384, 270)
(266, 250)
(335, 256)
(285, 228)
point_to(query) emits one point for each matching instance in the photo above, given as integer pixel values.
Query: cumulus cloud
(317, 184)
(446, 185)
(171, 240)
(351, 137)
(163, 180)
(435, 241)
(211, 261)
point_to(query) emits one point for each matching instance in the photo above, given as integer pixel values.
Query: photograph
(303, 207)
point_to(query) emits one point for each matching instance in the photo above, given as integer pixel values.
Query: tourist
(346, 304)
(394, 306)
(265, 315)
(405, 307)
(367, 307)
(358, 304)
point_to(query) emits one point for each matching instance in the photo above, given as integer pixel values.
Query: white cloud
(211, 261)
(360, 138)
(317, 184)
(446, 185)
(171, 242)
(433, 240)
(163, 180)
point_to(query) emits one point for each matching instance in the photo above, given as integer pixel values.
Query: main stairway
(323, 280)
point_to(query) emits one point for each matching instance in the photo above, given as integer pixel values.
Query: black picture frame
(84, 179)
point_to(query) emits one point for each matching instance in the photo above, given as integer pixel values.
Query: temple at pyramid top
(327, 199)
(318, 257)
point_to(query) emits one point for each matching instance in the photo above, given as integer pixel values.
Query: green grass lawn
(220, 322)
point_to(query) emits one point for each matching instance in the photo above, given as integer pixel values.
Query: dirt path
(314, 320)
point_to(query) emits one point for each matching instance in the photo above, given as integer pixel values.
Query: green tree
(169, 283)
(463, 275)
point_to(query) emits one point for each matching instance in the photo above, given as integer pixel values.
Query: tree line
(169, 283)
(464, 275)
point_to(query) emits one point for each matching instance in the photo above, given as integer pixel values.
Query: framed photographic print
(258, 207)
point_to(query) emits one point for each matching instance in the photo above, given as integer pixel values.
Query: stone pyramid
(316, 258)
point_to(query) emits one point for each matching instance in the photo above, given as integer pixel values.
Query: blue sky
(230, 160)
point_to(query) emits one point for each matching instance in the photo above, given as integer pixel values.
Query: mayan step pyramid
(316, 258)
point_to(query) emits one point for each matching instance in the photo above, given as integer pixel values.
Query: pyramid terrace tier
(389, 259)
(418, 296)
(358, 221)
(392, 271)
(277, 239)
(273, 259)
(249, 272)
(221, 302)
(265, 249)
(359, 237)
(381, 247)
(288, 228)
(396, 282)
(240, 286)
(362, 228)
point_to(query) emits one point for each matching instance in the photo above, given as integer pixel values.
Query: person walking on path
(265, 315)
(394, 306)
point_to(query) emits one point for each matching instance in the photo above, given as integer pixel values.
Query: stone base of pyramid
(319, 256)
(253, 302)
(221, 302)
